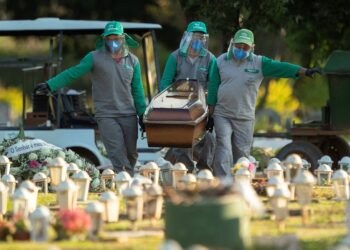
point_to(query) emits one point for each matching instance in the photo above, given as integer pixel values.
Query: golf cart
(63, 119)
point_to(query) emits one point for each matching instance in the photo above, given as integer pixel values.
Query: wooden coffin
(177, 116)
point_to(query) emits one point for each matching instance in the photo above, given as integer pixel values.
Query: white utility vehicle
(63, 119)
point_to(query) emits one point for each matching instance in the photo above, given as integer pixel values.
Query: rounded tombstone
(294, 159)
(344, 162)
(40, 176)
(189, 178)
(4, 160)
(326, 159)
(205, 174)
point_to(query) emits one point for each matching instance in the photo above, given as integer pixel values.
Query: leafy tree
(316, 28)
(225, 17)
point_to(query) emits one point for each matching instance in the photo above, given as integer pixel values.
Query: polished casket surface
(177, 116)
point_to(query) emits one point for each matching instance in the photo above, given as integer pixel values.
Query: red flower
(251, 167)
(34, 164)
(74, 221)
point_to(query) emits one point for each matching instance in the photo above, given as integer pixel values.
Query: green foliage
(262, 155)
(312, 93)
(226, 17)
(315, 28)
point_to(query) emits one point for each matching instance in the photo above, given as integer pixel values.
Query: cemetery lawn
(325, 228)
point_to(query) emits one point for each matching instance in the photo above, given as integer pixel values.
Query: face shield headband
(195, 41)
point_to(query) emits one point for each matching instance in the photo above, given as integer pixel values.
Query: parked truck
(328, 136)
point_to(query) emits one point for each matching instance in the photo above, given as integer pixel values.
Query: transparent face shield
(117, 45)
(238, 52)
(194, 42)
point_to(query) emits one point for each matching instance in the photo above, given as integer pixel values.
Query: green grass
(325, 227)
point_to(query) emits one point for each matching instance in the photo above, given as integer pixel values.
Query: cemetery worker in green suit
(241, 72)
(193, 60)
(117, 93)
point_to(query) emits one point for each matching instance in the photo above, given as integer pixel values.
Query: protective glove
(142, 125)
(42, 88)
(210, 124)
(310, 72)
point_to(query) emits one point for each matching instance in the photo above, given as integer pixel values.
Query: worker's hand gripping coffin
(177, 116)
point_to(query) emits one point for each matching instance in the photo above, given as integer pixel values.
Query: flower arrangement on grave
(101, 147)
(6, 229)
(18, 228)
(22, 227)
(72, 224)
(26, 165)
(237, 166)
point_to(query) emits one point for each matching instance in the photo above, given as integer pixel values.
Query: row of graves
(160, 190)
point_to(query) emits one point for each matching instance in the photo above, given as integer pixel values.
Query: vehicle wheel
(336, 147)
(305, 149)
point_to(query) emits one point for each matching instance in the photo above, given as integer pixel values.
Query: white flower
(95, 183)
(61, 154)
(48, 160)
(70, 153)
(15, 170)
(32, 156)
(15, 158)
(79, 163)
(45, 170)
(45, 151)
